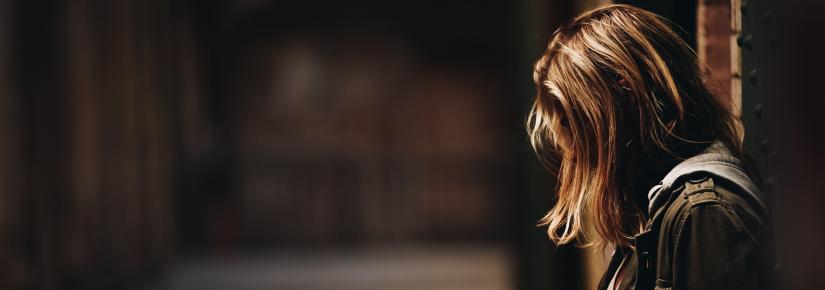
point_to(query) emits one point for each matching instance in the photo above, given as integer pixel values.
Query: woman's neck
(647, 174)
(651, 169)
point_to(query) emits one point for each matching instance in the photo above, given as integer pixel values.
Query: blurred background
(268, 144)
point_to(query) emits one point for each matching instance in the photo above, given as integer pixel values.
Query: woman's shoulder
(715, 236)
(714, 204)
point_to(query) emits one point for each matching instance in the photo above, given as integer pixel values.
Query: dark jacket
(708, 229)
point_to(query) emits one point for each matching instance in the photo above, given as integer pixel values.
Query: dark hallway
(296, 145)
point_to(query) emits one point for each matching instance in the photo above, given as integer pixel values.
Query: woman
(646, 156)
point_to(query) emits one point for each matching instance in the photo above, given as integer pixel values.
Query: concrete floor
(405, 267)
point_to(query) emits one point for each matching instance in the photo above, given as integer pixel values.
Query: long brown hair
(615, 86)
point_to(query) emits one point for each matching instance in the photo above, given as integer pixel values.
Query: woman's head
(617, 89)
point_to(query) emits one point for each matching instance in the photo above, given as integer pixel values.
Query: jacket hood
(715, 160)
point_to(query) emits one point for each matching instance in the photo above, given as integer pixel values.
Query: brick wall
(716, 37)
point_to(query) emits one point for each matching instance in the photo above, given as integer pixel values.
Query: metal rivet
(739, 40)
(752, 77)
(748, 42)
(757, 111)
